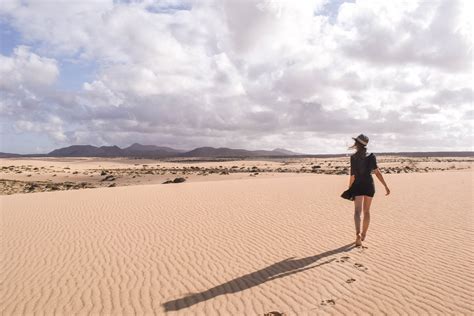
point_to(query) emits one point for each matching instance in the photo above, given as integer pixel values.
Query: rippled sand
(240, 247)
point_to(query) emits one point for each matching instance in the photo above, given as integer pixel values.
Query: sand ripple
(240, 247)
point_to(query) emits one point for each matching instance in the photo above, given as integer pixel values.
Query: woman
(361, 184)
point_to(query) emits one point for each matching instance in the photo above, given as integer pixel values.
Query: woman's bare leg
(366, 209)
(357, 212)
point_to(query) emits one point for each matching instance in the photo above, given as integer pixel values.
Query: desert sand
(245, 246)
(44, 174)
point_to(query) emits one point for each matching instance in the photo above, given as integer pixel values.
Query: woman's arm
(380, 177)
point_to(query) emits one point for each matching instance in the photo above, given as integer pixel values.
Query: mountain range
(139, 150)
(151, 151)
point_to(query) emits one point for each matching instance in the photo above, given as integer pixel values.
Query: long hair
(360, 149)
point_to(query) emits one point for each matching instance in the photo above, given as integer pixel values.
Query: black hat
(364, 140)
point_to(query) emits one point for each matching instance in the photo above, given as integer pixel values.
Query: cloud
(430, 33)
(247, 74)
(52, 125)
(453, 97)
(26, 70)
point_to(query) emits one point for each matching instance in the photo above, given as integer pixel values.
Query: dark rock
(30, 187)
(109, 178)
(178, 180)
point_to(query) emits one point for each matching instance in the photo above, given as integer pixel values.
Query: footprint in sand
(328, 302)
(350, 280)
(343, 259)
(360, 267)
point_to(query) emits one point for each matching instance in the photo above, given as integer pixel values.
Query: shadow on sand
(277, 270)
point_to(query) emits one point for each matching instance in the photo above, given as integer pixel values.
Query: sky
(255, 74)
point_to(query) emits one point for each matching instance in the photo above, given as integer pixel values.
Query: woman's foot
(358, 242)
(362, 236)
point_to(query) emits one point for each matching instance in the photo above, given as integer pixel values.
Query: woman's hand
(387, 190)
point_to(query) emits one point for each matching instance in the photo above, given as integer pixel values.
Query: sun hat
(364, 140)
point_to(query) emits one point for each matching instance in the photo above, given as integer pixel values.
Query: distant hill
(150, 150)
(135, 150)
(139, 150)
(87, 151)
(8, 155)
(214, 152)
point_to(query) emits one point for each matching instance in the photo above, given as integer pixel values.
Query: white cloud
(247, 73)
(52, 125)
(26, 70)
(430, 33)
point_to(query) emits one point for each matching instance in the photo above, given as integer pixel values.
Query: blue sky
(74, 71)
(305, 76)
(10, 38)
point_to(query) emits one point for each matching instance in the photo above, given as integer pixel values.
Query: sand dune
(240, 247)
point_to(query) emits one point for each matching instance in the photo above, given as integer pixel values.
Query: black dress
(361, 168)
